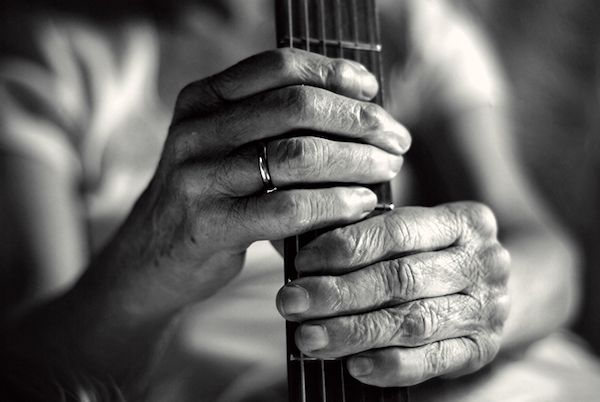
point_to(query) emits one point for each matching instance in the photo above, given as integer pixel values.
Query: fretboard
(347, 29)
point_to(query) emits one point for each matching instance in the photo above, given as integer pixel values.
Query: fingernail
(405, 140)
(369, 86)
(360, 366)
(395, 163)
(368, 199)
(358, 65)
(293, 299)
(313, 337)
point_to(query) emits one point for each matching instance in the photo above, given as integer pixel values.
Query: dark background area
(551, 53)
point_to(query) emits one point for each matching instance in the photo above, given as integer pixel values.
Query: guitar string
(297, 239)
(354, 18)
(338, 25)
(307, 36)
(373, 61)
(322, 30)
(305, 23)
(375, 67)
(340, 53)
(290, 26)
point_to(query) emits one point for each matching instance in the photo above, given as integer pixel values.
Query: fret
(316, 42)
(336, 28)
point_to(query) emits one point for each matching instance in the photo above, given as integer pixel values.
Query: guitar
(347, 29)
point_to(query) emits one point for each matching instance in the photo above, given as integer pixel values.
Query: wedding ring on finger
(263, 168)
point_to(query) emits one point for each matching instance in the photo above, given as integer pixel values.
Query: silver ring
(263, 168)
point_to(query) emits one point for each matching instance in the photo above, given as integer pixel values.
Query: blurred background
(551, 52)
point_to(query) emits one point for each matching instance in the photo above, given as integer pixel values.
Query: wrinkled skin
(414, 294)
(419, 292)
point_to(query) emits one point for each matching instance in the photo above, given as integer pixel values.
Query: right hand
(205, 205)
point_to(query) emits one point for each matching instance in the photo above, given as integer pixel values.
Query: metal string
(354, 16)
(338, 25)
(290, 24)
(322, 31)
(306, 24)
(291, 45)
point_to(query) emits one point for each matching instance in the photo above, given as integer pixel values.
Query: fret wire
(306, 24)
(290, 26)
(348, 45)
(338, 24)
(323, 32)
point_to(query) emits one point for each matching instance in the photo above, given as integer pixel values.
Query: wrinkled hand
(206, 204)
(413, 294)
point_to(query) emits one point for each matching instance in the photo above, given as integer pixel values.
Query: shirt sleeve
(41, 103)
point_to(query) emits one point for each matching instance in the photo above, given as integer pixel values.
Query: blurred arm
(461, 82)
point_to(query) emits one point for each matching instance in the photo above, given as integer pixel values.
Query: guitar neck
(347, 29)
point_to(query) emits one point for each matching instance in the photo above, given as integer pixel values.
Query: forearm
(85, 334)
(543, 285)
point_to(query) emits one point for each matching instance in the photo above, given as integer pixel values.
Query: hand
(205, 205)
(410, 295)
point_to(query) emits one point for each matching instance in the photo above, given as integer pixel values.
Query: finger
(405, 230)
(387, 283)
(285, 110)
(401, 367)
(306, 160)
(412, 324)
(289, 213)
(276, 69)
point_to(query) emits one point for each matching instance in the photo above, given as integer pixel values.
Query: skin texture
(414, 294)
(422, 291)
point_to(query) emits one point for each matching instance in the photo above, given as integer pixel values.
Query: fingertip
(360, 366)
(352, 79)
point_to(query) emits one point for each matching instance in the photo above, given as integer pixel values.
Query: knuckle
(369, 330)
(501, 312)
(405, 283)
(496, 258)
(480, 219)
(336, 292)
(225, 177)
(485, 349)
(398, 231)
(335, 73)
(345, 243)
(284, 60)
(370, 116)
(297, 101)
(291, 210)
(420, 323)
(190, 92)
(180, 182)
(299, 155)
(437, 360)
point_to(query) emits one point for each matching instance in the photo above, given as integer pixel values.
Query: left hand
(410, 295)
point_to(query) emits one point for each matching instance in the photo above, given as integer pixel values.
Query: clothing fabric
(92, 105)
